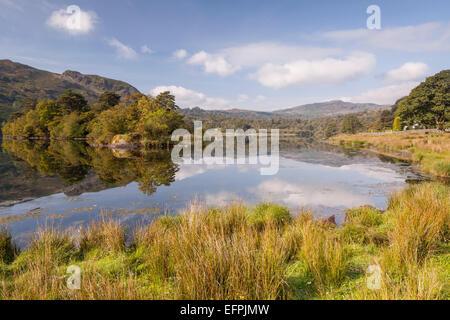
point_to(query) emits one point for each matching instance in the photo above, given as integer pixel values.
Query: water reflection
(85, 169)
(71, 183)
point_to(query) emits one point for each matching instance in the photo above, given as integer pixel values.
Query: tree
(385, 120)
(331, 129)
(166, 100)
(351, 124)
(429, 103)
(106, 100)
(71, 101)
(70, 126)
(397, 126)
(48, 111)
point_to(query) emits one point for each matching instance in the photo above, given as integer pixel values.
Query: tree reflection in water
(74, 161)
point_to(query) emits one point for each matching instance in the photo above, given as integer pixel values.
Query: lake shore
(430, 150)
(240, 252)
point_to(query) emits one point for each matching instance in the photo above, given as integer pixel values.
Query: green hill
(329, 109)
(19, 81)
(309, 111)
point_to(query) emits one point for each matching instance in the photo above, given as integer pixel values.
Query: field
(237, 252)
(431, 151)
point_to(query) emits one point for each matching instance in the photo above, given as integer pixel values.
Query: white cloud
(257, 54)
(146, 49)
(229, 60)
(180, 54)
(221, 198)
(315, 72)
(294, 195)
(189, 98)
(213, 63)
(410, 71)
(73, 20)
(384, 95)
(123, 51)
(434, 36)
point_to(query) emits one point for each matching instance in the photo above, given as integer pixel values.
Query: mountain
(198, 113)
(329, 109)
(19, 81)
(307, 111)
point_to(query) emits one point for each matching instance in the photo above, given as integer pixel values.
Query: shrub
(324, 254)
(267, 213)
(420, 220)
(8, 250)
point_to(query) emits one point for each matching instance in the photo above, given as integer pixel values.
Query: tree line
(142, 117)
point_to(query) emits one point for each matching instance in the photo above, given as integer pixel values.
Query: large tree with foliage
(351, 124)
(106, 101)
(429, 103)
(71, 101)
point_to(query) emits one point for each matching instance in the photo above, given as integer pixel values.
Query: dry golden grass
(431, 150)
(421, 220)
(324, 254)
(236, 252)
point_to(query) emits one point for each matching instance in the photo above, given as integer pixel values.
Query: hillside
(19, 81)
(329, 109)
(198, 113)
(308, 111)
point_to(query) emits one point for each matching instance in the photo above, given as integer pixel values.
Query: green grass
(237, 252)
(430, 151)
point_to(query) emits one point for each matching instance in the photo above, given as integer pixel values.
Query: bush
(267, 213)
(8, 250)
(324, 254)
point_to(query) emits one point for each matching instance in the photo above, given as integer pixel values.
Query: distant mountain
(329, 109)
(198, 113)
(19, 81)
(308, 111)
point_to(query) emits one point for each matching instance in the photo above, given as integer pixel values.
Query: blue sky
(251, 54)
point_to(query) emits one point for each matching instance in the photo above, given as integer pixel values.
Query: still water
(67, 184)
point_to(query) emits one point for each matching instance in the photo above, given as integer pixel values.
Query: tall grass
(215, 254)
(432, 151)
(8, 250)
(324, 254)
(237, 252)
(420, 221)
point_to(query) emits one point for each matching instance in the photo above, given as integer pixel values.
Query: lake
(67, 184)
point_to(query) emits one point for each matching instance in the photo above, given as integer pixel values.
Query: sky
(250, 54)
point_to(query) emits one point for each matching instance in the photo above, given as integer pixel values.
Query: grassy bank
(237, 252)
(431, 151)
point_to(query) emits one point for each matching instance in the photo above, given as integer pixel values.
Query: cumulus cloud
(180, 54)
(73, 20)
(312, 72)
(434, 36)
(294, 195)
(146, 49)
(229, 60)
(190, 98)
(256, 54)
(410, 71)
(122, 51)
(384, 95)
(213, 63)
